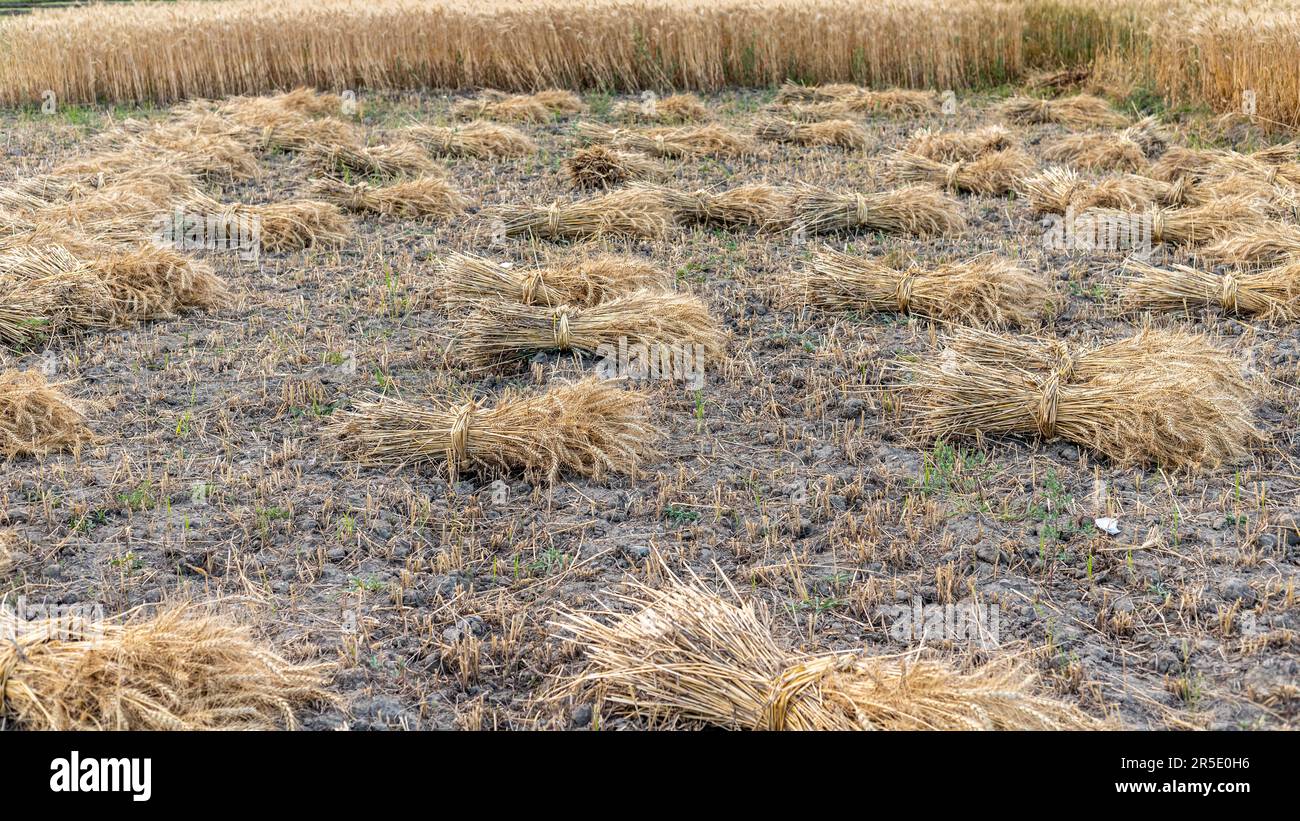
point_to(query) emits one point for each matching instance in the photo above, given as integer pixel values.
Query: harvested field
(606, 420)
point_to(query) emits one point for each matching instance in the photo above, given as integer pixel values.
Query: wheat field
(1190, 51)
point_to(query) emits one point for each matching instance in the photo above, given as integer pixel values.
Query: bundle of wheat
(1098, 151)
(687, 656)
(573, 280)
(1058, 190)
(912, 209)
(685, 141)
(308, 101)
(790, 92)
(506, 330)
(278, 226)
(178, 670)
(1058, 80)
(517, 108)
(627, 213)
(986, 290)
(949, 146)
(1275, 164)
(474, 139)
(1150, 135)
(413, 198)
(274, 126)
(36, 418)
(559, 101)
(46, 286)
(894, 102)
(1192, 225)
(591, 428)
(1162, 397)
(1267, 241)
(598, 166)
(1272, 295)
(990, 174)
(755, 206)
(1079, 111)
(840, 133)
(676, 108)
(392, 160)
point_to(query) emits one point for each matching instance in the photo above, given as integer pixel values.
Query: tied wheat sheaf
(414, 199)
(574, 280)
(47, 285)
(281, 226)
(1275, 163)
(1273, 294)
(841, 98)
(673, 109)
(685, 656)
(912, 209)
(620, 213)
(1159, 397)
(598, 166)
(950, 146)
(1192, 225)
(1080, 111)
(392, 160)
(987, 290)
(755, 206)
(1127, 150)
(1265, 242)
(990, 174)
(684, 141)
(838, 133)
(591, 428)
(36, 418)
(1060, 190)
(525, 108)
(179, 670)
(501, 331)
(476, 139)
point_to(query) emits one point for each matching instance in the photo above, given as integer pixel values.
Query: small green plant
(680, 515)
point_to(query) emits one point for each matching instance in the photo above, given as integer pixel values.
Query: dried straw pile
(838, 133)
(1079, 111)
(991, 174)
(476, 139)
(599, 166)
(687, 656)
(625, 213)
(1162, 397)
(1275, 164)
(501, 331)
(591, 428)
(1271, 295)
(913, 209)
(985, 291)
(1097, 152)
(573, 280)
(413, 199)
(36, 418)
(175, 671)
(685, 141)
(674, 109)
